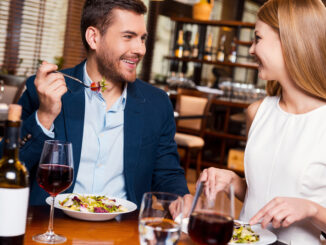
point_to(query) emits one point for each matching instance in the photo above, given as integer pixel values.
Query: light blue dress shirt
(101, 162)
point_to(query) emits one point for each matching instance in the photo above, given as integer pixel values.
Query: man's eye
(127, 36)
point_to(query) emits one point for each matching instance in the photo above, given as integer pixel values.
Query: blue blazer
(151, 161)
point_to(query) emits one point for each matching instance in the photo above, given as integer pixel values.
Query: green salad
(91, 204)
(244, 234)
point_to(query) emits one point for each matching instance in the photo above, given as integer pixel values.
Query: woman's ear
(92, 36)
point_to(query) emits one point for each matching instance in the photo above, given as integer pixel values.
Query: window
(31, 30)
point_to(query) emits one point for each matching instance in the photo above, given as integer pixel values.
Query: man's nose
(140, 48)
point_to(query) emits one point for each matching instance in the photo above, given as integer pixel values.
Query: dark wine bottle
(14, 186)
(187, 46)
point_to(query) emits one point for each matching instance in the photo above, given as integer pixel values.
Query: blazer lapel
(133, 128)
(73, 107)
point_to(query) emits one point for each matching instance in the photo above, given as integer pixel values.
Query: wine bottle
(14, 186)
(179, 49)
(220, 52)
(195, 48)
(208, 48)
(233, 53)
(187, 46)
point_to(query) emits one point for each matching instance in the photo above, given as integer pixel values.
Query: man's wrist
(45, 119)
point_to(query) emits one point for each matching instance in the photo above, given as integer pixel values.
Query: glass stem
(50, 228)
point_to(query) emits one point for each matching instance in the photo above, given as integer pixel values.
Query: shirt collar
(88, 81)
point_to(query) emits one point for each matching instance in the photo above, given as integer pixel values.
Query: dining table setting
(76, 218)
(123, 229)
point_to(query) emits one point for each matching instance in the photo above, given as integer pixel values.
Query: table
(123, 230)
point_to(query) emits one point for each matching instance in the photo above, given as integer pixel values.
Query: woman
(285, 156)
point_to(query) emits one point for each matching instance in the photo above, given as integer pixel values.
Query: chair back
(192, 102)
(11, 88)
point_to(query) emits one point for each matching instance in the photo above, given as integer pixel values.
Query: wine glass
(54, 175)
(160, 218)
(211, 221)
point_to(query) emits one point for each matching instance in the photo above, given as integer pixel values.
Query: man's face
(122, 46)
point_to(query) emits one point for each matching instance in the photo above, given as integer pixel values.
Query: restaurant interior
(197, 51)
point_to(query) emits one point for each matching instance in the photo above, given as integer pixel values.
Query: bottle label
(13, 211)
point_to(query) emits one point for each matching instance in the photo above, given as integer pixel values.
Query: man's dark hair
(98, 13)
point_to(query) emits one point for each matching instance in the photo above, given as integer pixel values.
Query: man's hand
(50, 88)
(187, 203)
(284, 211)
(176, 206)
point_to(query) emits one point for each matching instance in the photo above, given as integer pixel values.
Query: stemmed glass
(160, 218)
(54, 175)
(211, 221)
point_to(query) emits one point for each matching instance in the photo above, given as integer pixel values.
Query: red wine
(54, 178)
(210, 228)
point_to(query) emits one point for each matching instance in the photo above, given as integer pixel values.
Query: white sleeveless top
(286, 156)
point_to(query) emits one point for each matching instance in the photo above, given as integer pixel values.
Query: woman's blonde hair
(301, 25)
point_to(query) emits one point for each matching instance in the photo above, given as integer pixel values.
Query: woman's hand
(284, 211)
(216, 180)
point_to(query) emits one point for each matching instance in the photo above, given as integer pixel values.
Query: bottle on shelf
(220, 51)
(208, 48)
(187, 46)
(233, 52)
(195, 48)
(14, 186)
(178, 52)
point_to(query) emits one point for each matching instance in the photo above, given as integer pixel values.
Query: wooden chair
(190, 132)
(11, 88)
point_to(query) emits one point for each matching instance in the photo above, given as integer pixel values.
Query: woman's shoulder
(253, 109)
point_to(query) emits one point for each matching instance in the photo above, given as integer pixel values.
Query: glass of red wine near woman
(54, 175)
(211, 221)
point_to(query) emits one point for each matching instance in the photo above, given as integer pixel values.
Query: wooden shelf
(226, 23)
(225, 63)
(244, 43)
(225, 135)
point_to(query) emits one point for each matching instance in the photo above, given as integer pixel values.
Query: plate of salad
(245, 234)
(92, 207)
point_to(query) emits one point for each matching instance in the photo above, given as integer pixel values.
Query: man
(123, 138)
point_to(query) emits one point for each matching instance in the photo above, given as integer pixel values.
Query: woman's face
(267, 49)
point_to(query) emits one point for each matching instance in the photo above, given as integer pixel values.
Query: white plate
(265, 236)
(91, 216)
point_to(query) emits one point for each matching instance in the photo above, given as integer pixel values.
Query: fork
(75, 79)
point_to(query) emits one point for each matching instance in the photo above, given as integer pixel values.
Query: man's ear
(92, 36)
